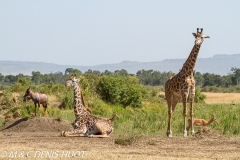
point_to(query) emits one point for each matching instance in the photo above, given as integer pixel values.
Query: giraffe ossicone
(182, 85)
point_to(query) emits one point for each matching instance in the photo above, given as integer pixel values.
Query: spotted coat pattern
(182, 85)
(85, 122)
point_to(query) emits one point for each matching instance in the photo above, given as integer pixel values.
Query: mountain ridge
(220, 64)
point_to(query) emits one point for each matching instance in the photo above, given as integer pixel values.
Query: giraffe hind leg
(191, 101)
(184, 99)
(102, 129)
(80, 131)
(98, 136)
(103, 134)
(171, 107)
(64, 134)
(169, 131)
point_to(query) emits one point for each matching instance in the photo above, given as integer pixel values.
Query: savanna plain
(139, 133)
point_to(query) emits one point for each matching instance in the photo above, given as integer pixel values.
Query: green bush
(123, 90)
(199, 97)
(7, 98)
(21, 85)
(67, 99)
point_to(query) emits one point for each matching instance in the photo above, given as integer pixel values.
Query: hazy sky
(96, 32)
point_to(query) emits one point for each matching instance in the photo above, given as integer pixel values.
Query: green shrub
(151, 142)
(199, 97)
(21, 85)
(2, 121)
(66, 99)
(27, 110)
(7, 98)
(123, 90)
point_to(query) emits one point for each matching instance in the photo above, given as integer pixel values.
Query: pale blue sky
(96, 32)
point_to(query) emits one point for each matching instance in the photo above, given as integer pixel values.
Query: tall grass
(150, 119)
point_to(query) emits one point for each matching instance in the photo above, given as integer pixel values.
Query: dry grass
(52, 98)
(219, 98)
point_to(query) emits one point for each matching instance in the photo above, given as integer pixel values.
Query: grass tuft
(126, 140)
(152, 142)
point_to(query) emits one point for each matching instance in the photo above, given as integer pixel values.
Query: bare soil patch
(18, 136)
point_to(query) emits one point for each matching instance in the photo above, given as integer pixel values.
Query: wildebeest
(37, 98)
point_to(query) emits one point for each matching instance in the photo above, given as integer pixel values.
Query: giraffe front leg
(169, 131)
(66, 134)
(191, 99)
(173, 103)
(185, 114)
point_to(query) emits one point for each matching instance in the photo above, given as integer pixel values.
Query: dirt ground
(39, 138)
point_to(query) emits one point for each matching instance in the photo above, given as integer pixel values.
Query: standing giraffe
(183, 85)
(85, 122)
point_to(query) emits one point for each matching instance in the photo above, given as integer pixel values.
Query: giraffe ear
(194, 35)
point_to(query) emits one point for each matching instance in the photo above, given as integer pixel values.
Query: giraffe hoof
(90, 136)
(185, 134)
(192, 133)
(169, 133)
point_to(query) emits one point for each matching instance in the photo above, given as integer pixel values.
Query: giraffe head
(72, 81)
(199, 37)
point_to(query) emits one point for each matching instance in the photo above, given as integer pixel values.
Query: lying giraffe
(86, 124)
(108, 119)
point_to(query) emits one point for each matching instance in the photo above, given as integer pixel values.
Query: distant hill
(218, 64)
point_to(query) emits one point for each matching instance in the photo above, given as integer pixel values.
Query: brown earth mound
(35, 124)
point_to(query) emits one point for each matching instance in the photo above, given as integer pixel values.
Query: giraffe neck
(189, 64)
(79, 107)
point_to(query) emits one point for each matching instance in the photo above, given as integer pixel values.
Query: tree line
(156, 78)
(145, 77)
